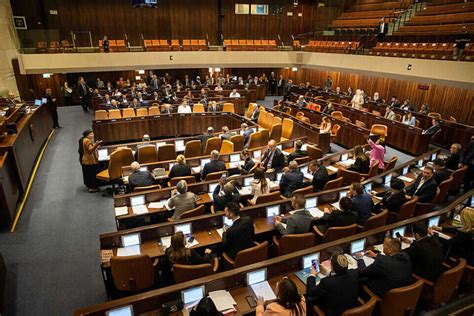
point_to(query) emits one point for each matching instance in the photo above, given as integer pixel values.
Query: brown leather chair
(314, 152)
(228, 107)
(304, 191)
(248, 256)
(301, 160)
(375, 221)
(337, 114)
(293, 242)
(115, 114)
(372, 171)
(227, 147)
(238, 141)
(399, 301)
(365, 309)
(376, 112)
(188, 179)
(265, 137)
(133, 273)
(142, 112)
(391, 163)
(42, 47)
(407, 210)
(118, 159)
(183, 272)
(255, 140)
(198, 108)
(265, 198)
(305, 119)
(213, 143)
(334, 131)
(101, 115)
(215, 175)
(192, 149)
(360, 124)
(166, 152)
(197, 211)
(154, 110)
(443, 191)
(147, 154)
(443, 289)
(423, 208)
(458, 177)
(287, 129)
(275, 134)
(348, 176)
(379, 129)
(148, 187)
(334, 233)
(333, 184)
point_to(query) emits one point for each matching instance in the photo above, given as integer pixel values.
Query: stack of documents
(332, 168)
(128, 251)
(245, 191)
(264, 290)
(316, 212)
(157, 205)
(223, 300)
(406, 179)
(196, 169)
(166, 242)
(121, 210)
(139, 209)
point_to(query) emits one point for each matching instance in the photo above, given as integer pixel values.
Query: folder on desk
(406, 179)
(223, 300)
(121, 210)
(264, 290)
(156, 205)
(128, 251)
(139, 209)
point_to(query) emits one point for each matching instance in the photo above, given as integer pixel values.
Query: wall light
(46, 76)
(294, 69)
(141, 72)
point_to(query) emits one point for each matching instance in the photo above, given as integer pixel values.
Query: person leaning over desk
(178, 253)
(89, 160)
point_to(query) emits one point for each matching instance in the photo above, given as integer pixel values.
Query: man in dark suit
(228, 194)
(239, 236)
(83, 91)
(272, 83)
(394, 103)
(297, 223)
(297, 153)
(393, 199)
(139, 178)
(248, 162)
(319, 173)
(426, 253)
(273, 158)
(255, 114)
(214, 165)
(204, 137)
(281, 85)
(441, 173)
(452, 163)
(337, 218)
(246, 131)
(388, 271)
(287, 89)
(424, 186)
(291, 180)
(435, 126)
(51, 105)
(362, 203)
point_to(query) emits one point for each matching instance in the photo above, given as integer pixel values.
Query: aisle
(53, 256)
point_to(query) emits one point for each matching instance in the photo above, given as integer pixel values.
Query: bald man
(139, 178)
(273, 158)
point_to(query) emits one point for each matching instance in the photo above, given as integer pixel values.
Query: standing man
(328, 84)
(281, 85)
(51, 105)
(382, 29)
(83, 90)
(273, 83)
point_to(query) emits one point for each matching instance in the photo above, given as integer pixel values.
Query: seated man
(452, 163)
(435, 126)
(424, 186)
(393, 199)
(441, 173)
(234, 94)
(426, 253)
(215, 165)
(246, 131)
(225, 194)
(255, 114)
(362, 203)
(204, 137)
(291, 180)
(273, 158)
(181, 200)
(388, 271)
(319, 173)
(337, 218)
(297, 223)
(248, 162)
(226, 134)
(139, 178)
(297, 153)
(239, 236)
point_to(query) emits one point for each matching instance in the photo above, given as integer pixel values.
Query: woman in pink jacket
(378, 152)
(289, 302)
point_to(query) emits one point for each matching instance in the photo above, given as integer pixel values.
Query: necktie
(267, 160)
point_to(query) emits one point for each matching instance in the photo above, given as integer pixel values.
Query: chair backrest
(270, 197)
(153, 110)
(364, 310)
(335, 130)
(402, 300)
(184, 272)
(287, 128)
(228, 107)
(197, 211)
(251, 255)
(360, 124)
(305, 119)
(302, 160)
(299, 115)
(294, 242)
(303, 191)
(348, 176)
(435, 115)
(188, 179)
(275, 134)
(146, 188)
(265, 136)
(250, 109)
(166, 152)
(192, 149)
(101, 115)
(216, 175)
(443, 191)
(447, 283)
(376, 221)
(118, 159)
(276, 120)
(379, 129)
(334, 233)
(255, 140)
(337, 114)
(238, 141)
(142, 112)
(391, 163)
(147, 154)
(132, 273)
(227, 147)
(458, 177)
(115, 114)
(213, 143)
(333, 184)
(314, 152)
(407, 210)
(198, 108)
(128, 112)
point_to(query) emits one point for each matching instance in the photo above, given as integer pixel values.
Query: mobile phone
(398, 235)
(251, 300)
(223, 177)
(315, 264)
(191, 239)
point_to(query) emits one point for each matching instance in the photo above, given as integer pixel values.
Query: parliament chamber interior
(236, 157)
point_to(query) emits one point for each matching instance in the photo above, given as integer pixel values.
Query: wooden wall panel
(446, 100)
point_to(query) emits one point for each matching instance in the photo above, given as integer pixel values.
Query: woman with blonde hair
(325, 126)
(259, 184)
(180, 169)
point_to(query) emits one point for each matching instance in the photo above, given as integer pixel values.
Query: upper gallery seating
(154, 45)
(262, 45)
(421, 50)
(114, 46)
(331, 46)
(54, 47)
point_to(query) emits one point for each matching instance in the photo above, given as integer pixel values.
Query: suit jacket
(394, 202)
(386, 273)
(278, 161)
(247, 134)
(239, 236)
(83, 89)
(453, 161)
(255, 114)
(362, 205)
(221, 201)
(212, 166)
(441, 175)
(432, 129)
(248, 164)
(426, 257)
(298, 223)
(361, 166)
(335, 293)
(320, 178)
(140, 179)
(181, 203)
(427, 191)
(337, 219)
(290, 181)
(297, 154)
(179, 170)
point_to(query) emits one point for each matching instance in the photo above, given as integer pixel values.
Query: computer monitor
(368, 187)
(235, 158)
(312, 202)
(205, 161)
(158, 145)
(433, 221)
(304, 169)
(342, 194)
(405, 170)
(248, 181)
(37, 102)
(130, 240)
(121, 311)
(103, 154)
(433, 156)
(137, 200)
(257, 276)
(357, 246)
(179, 144)
(192, 295)
(279, 175)
(420, 163)
(344, 157)
(387, 179)
(257, 153)
(227, 221)
(143, 169)
(304, 147)
(273, 210)
(280, 147)
(400, 230)
(307, 259)
(184, 228)
(212, 187)
(44, 100)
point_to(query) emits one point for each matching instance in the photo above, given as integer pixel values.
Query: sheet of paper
(192, 244)
(264, 290)
(368, 260)
(444, 236)
(222, 299)
(233, 164)
(196, 169)
(139, 209)
(220, 231)
(166, 241)
(406, 179)
(156, 205)
(273, 184)
(308, 176)
(128, 251)
(335, 205)
(332, 168)
(245, 191)
(405, 245)
(316, 212)
(121, 210)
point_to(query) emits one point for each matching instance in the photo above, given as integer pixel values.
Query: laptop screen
(257, 153)
(400, 230)
(387, 179)
(368, 187)
(433, 156)
(179, 143)
(130, 240)
(227, 221)
(121, 311)
(273, 210)
(420, 163)
(143, 169)
(184, 228)
(344, 157)
(304, 169)
(342, 194)
(37, 102)
(44, 100)
(256, 276)
(247, 182)
(212, 187)
(137, 200)
(433, 221)
(193, 294)
(307, 259)
(311, 202)
(235, 158)
(205, 161)
(405, 170)
(103, 154)
(357, 246)
(279, 175)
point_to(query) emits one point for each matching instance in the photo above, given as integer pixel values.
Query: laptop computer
(273, 210)
(159, 172)
(257, 276)
(357, 246)
(304, 274)
(184, 228)
(137, 200)
(37, 102)
(121, 311)
(434, 221)
(192, 295)
(235, 158)
(130, 240)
